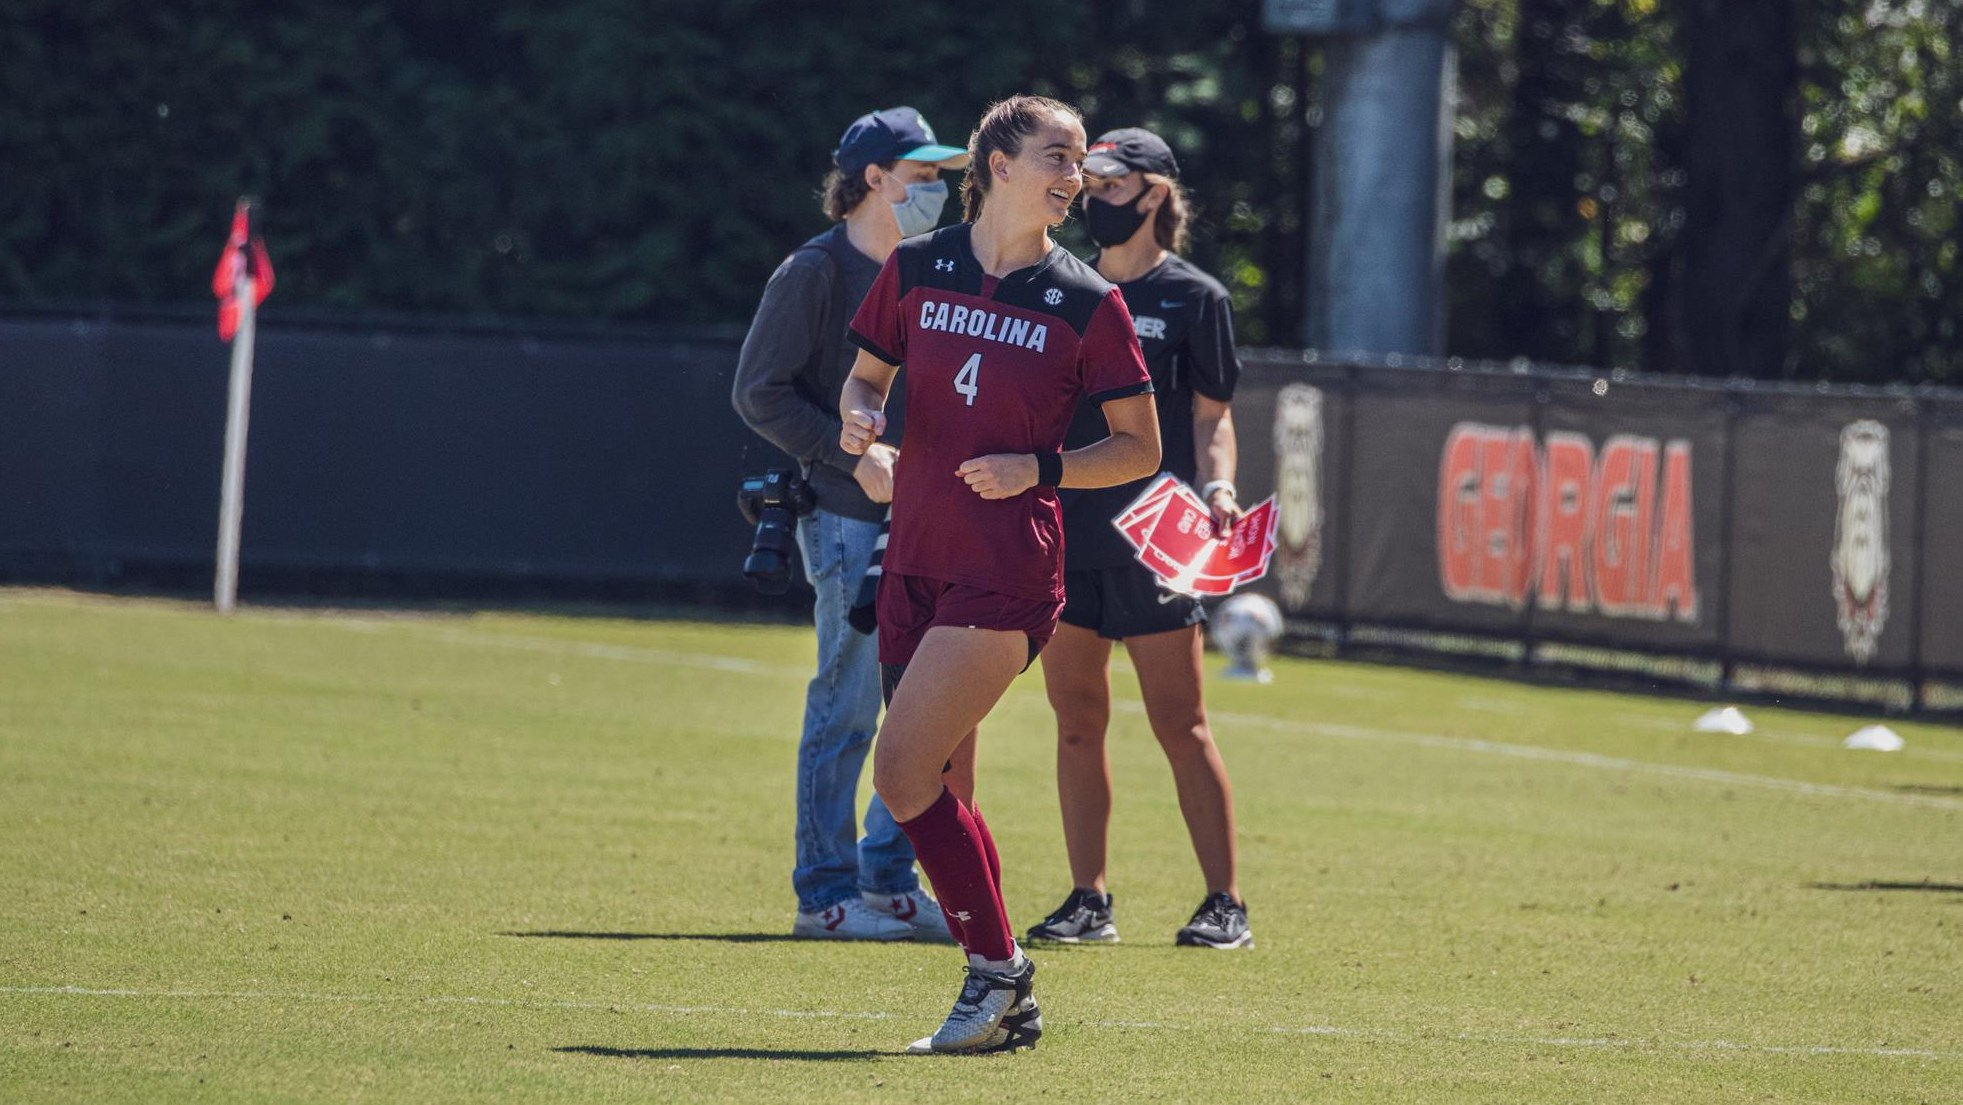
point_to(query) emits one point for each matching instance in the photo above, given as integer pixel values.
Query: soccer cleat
(996, 1012)
(850, 919)
(1083, 918)
(1220, 922)
(921, 913)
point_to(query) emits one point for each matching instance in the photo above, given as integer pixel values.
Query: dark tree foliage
(1569, 184)
(1877, 242)
(1234, 103)
(1575, 186)
(614, 158)
(651, 160)
(1545, 217)
(1735, 287)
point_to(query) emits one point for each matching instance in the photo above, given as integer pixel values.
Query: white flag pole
(231, 507)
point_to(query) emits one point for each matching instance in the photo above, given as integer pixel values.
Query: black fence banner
(1782, 539)
(1627, 517)
(1824, 533)
(1437, 520)
(1762, 537)
(1940, 606)
(1300, 453)
(392, 460)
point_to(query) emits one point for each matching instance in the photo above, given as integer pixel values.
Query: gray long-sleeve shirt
(786, 387)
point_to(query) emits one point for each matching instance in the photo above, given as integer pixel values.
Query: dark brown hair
(1003, 127)
(1169, 230)
(842, 191)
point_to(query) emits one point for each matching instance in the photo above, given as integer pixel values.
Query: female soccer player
(1137, 214)
(1001, 332)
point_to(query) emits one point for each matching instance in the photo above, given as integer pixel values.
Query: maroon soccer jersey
(993, 366)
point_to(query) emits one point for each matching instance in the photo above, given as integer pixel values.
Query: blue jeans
(841, 713)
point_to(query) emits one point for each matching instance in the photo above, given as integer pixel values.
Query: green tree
(1878, 279)
(628, 160)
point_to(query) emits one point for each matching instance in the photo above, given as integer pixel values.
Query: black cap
(1118, 152)
(895, 134)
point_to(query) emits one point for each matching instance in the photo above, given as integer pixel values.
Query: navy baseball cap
(895, 134)
(1118, 152)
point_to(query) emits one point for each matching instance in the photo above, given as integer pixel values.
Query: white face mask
(921, 210)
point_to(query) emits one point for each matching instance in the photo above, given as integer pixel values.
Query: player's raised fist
(861, 429)
(999, 475)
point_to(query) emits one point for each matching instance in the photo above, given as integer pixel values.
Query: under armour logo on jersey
(945, 264)
(1053, 297)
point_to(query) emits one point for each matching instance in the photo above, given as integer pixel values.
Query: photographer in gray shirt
(886, 185)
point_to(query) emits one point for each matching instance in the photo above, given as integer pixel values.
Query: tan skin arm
(862, 403)
(1216, 456)
(1130, 453)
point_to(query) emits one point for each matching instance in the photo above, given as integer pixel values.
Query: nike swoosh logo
(1169, 304)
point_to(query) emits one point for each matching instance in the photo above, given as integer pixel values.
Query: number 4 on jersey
(968, 381)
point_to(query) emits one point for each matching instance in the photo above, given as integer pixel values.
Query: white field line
(429, 627)
(1797, 740)
(560, 646)
(666, 657)
(1380, 1035)
(1586, 759)
(1833, 744)
(1347, 732)
(755, 667)
(741, 665)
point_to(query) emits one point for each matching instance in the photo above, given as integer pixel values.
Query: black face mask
(1113, 224)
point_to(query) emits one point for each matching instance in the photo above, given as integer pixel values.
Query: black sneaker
(1220, 922)
(1083, 918)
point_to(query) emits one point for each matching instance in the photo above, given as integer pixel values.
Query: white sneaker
(996, 1012)
(920, 911)
(850, 919)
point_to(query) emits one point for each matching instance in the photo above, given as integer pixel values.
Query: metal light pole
(1381, 196)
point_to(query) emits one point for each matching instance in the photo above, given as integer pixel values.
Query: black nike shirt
(1185, 325)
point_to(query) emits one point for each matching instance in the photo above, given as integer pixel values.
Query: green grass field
(301, 856)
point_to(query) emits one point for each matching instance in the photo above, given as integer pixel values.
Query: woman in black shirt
(1137, 213)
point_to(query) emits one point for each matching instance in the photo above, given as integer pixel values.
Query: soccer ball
(1246, 627)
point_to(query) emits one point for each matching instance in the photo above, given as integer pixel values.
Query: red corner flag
(236, 261)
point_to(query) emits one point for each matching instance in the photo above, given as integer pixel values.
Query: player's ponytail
(1177, 211)
(1003, 127)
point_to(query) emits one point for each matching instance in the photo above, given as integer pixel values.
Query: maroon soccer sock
(953, 926)
(950, 849)
(988, 849)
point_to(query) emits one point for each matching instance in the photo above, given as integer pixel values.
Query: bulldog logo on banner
(1298, 492)
(1860, 540)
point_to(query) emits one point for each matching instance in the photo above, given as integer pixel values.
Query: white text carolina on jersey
(954, 318)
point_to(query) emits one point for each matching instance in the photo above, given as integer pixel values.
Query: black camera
(773, 502)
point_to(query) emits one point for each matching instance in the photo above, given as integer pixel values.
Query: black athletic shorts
(1125, 601)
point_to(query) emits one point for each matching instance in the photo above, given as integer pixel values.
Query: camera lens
(769, 562)
(773, 502)
(768, 571)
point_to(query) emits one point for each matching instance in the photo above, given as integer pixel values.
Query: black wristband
(1049, 469)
